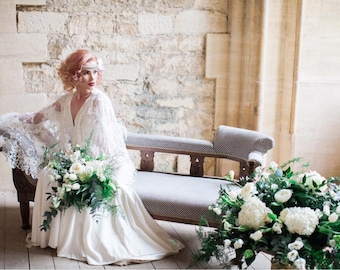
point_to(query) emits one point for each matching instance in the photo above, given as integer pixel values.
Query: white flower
(230, 175)
(300, 264)
(283, 195)
(312, 178)
(256, 235)
(75, 156)
(273, 166)
(75, 186)
(253, 213)
(77, 168)
(292, 255)
(217, 210)
(232, 195)
(227, 243)
(301, 220)
(55, 201)
(67, 187)
(72, 176)
(238, 244)
(274, 186)
(226, 225)
(297, 244)
(277, 227)
(332, 243)
(326, 208)
(333, 217)
(248, 190)
(337, 210)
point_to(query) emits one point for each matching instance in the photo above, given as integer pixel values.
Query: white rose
(327, 208)
(77, 168)
(75, 186)
(232, 195)
(256, 235)
(248, 190)
(333, 217)
(72, 176)
(238, 244)
(283, 195)
(75, 156)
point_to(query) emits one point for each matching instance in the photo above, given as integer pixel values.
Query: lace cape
(24, 143)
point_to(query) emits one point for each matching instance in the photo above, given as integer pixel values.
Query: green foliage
(293, 215)
(80, 181)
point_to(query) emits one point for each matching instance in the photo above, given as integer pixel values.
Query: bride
(85, 111)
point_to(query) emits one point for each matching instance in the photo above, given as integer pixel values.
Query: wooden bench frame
(148, 145)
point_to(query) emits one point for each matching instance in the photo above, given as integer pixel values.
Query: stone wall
(153, 52)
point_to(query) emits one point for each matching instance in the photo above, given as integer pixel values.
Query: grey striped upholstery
(170, 143)
(242, 143)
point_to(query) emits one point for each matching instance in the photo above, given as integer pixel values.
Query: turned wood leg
(25, 186)
(25, 215)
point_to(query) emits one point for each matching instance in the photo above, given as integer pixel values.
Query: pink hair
(70, 68)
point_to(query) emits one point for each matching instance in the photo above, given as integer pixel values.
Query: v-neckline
(73, 120)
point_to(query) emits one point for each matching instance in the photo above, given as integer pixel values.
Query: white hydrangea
(253, 214)
(300, 220)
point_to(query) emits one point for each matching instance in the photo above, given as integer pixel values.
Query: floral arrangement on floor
(294, 216)
(79, 180)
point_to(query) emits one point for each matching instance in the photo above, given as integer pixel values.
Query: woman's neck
(79, 94)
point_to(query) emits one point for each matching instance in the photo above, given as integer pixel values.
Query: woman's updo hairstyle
(70, 69)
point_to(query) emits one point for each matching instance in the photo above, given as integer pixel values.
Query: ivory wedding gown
(133, 236)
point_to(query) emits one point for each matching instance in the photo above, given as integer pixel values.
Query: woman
(81, 113)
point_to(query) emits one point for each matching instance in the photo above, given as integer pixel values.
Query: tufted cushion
(185, 198)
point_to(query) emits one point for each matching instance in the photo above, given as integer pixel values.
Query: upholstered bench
(173, 196)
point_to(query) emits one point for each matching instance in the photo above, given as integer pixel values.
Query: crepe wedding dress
(130, 236)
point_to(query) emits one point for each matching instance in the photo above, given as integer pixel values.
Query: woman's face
(88, 76)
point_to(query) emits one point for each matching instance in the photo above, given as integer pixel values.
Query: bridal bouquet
(292, 215)
(79, 180)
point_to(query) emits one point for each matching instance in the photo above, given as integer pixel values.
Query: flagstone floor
(15, 255)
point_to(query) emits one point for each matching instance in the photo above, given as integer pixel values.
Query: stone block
(154, 24)
(200, 22)
(122, 72)
(90, 24)
(23, 47)
(176, 102)
(41, 22)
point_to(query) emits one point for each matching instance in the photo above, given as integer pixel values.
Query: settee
(174, 196)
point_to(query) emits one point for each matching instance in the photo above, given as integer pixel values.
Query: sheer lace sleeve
(108, 136)
(23, 140)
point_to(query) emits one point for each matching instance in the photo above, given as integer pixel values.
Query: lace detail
(23, 142)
